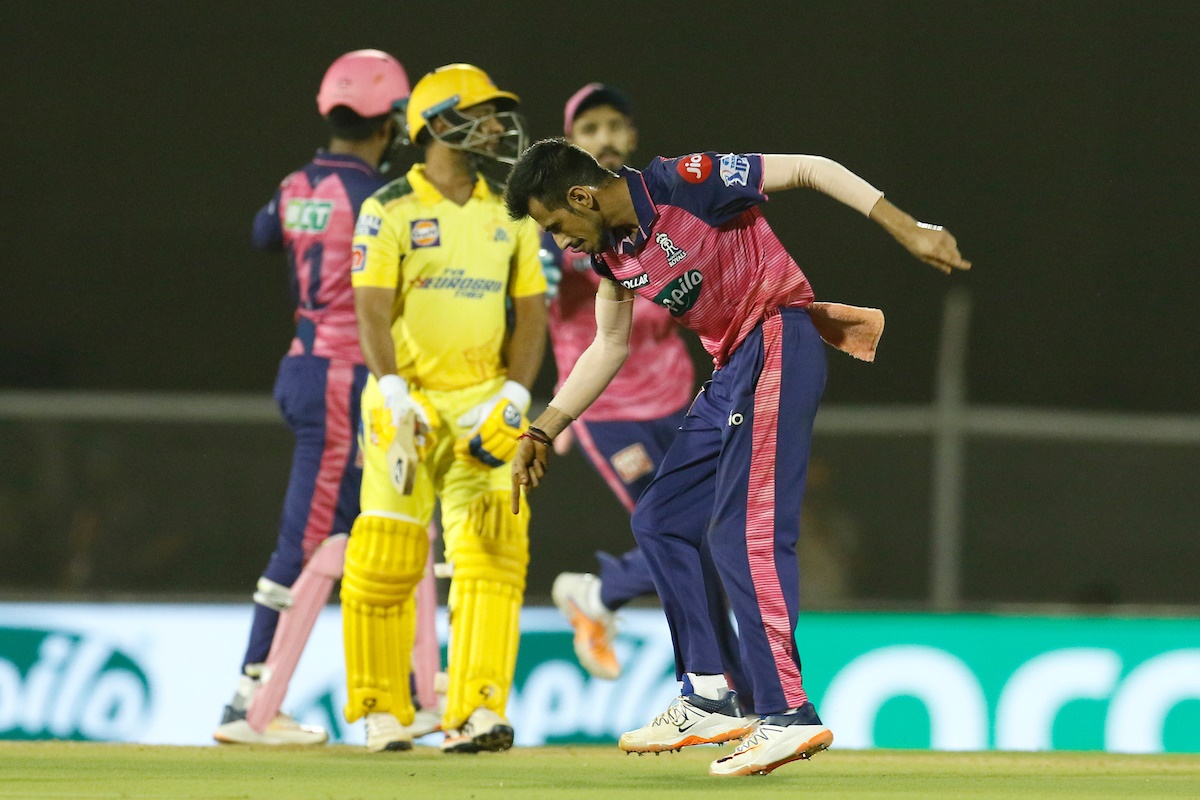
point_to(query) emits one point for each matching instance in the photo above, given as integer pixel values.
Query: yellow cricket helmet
(448, 90)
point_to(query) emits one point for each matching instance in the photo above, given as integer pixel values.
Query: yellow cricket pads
(385, 559)
(490, 553)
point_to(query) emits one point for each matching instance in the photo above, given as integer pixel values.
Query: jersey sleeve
(378, 245)
(267, 233)
(527, 276)
(714, 186)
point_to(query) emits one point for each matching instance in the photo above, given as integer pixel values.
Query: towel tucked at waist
(851, 329)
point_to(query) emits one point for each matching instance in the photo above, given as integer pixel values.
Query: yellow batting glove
(425, 436)
(383, 427)
(495, 426)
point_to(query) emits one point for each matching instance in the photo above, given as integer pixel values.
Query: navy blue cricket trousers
(319, 399)
(732, 483)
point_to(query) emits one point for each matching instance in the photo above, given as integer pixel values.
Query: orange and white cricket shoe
(779, 739)
(577, 596)
(690, 719)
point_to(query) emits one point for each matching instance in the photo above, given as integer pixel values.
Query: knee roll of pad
(385, 559)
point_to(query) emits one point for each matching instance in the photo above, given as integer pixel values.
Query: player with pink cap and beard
(627, 431)
(312, 218)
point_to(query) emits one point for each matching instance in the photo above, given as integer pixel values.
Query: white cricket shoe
(690, 719)
(385, 733)
(424, 723)
(234, 729)
(577, 595)
(773, 744)
(483, 730)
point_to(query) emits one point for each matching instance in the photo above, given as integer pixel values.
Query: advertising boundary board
(161, 673)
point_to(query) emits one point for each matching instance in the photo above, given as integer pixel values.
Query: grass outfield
(83, 770)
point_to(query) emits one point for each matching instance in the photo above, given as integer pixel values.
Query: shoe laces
(674, 715)
(761, 734)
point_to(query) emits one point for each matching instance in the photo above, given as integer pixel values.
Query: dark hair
(345, 123)
(546, 171)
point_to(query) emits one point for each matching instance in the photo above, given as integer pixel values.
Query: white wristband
(517, 394)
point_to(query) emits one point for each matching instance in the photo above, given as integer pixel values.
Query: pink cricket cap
(367, 82)
(592, 95)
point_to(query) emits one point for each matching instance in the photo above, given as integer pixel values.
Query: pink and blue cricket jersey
(312, 217)
(657, 379)
(723, 512)
(703, 250)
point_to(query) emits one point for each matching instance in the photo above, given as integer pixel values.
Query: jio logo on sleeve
(695, 168)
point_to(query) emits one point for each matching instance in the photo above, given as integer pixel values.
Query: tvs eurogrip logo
(60, 685)
(695, 168)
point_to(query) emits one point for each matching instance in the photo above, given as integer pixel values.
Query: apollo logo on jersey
(358, 258)
(425, 233)
(307, 216)
(694, 169)
(735, 170)
(681, 294)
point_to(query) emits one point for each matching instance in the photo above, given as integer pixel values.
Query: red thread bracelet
(538, 435)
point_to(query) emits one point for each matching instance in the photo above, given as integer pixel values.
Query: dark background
(1057, 141)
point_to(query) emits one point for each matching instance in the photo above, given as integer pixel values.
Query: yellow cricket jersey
(452, 267)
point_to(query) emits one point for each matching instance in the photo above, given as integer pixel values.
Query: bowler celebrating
(687, 233)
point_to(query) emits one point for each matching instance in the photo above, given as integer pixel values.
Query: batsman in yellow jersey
(452, 321)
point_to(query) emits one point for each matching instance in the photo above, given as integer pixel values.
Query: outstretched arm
(591, 374)
(930, 243)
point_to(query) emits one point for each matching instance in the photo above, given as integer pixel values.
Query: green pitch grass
(79, 770)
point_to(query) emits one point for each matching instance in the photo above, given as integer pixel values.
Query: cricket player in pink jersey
(687, 233)
(312, 219)
(627, 431)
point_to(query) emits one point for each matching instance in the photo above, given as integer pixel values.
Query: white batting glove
(397, 400)
(510, 392)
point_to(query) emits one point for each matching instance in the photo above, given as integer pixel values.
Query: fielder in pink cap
(312, 219)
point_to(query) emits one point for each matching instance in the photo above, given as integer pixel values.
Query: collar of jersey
(643, 206)
(344, 159)
(428, 193)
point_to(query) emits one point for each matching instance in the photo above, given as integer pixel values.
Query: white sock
(713, 687)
